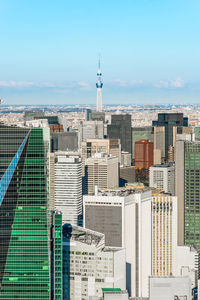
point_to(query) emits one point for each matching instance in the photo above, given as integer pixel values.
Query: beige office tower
(159, 145)
(102, 171)
(169, 259)
(52, 182)
(180, 188)
(93, 146)
(163, 224)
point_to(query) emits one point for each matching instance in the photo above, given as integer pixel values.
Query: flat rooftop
(83, 235)
(128, 190)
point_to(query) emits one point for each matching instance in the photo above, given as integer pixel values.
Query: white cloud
(83, 85)
(29, 84)
(136, 82)
(120, 82)
(15, 84)
(170, 84)
(178, 83)
(123, 83)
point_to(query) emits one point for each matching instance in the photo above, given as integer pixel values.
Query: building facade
(93, 146)
(68, 186)
(64, 141)
(167, 257)
(90, 130)
(176, 288)
(120, 128)
(101, 170)
(56, 256)
(169, 121)
(124, 216)
(143, 154)
(164, 210)
(163, 177)
(141, 133)
(187, 183)
(24, 213)
(89, 266)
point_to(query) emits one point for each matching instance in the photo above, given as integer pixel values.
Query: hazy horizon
(150, 51)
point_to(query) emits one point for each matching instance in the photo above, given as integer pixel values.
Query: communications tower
(99, 86)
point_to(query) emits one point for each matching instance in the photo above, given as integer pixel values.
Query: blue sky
(150, 51)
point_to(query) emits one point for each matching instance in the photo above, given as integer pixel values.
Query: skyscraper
(56, 256)
(141, 133)
(101, 170)
(24, 221)
(68, 186)
(99, 86)
(90, 130)
(143, 154)
(169, 121)
(187, 188)
(124, 216)
(120, 128)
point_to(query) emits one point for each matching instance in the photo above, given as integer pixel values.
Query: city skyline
(47, 58)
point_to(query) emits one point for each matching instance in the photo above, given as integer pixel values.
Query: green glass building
(56, 257)
(192, 193)
(24, 213)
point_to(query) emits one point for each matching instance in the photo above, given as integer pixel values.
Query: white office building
(124, 216)
(68, 186)
(163, 177)
(89, 266)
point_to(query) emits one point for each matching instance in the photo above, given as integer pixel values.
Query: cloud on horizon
(170, 84)
(67, 87)
(29, 84)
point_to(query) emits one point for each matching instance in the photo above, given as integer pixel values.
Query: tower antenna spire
(99, 61)
(99, 86)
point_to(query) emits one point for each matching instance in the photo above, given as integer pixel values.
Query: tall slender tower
(99, 86)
